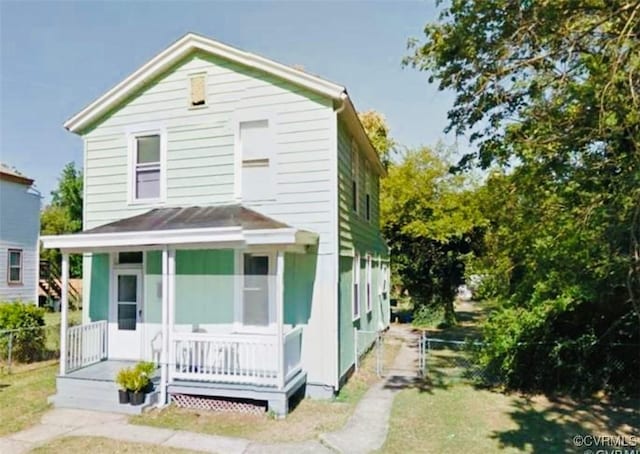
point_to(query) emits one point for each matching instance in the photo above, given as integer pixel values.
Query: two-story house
(19, 233)
(231, 230)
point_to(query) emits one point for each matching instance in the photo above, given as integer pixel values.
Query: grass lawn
(306, 421)
(99, 445)
(446, 413)
(462, 418)
(23, 395)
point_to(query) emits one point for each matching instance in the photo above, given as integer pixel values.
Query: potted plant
(123, 379)
(146, 368)
(139, 381)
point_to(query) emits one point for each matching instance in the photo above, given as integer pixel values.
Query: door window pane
(127, 289)
(127, 316)
(255, 310)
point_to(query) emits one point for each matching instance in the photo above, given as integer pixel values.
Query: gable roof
(192, 42)
(13, 175)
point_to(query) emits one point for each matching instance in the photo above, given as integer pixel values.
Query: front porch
(211, 314)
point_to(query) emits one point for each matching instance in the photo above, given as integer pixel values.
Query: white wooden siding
(19, 229)
(200, 155)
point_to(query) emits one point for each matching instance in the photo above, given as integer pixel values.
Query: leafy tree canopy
(549, 91)
(64, 215)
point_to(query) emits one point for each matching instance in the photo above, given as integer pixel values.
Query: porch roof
(189, 226)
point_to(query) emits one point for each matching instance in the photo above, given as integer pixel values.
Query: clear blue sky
(56, 57)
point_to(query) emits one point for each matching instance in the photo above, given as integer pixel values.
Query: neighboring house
(19, 232)
(231, 230)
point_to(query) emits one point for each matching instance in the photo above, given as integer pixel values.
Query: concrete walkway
(365, 431)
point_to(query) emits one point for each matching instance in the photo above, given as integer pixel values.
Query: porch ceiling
(206, 226)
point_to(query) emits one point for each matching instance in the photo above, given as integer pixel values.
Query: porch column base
(279, 407)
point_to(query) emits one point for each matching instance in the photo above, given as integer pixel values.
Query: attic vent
(198, 92)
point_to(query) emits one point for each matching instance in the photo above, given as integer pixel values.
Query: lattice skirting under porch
(218, 404)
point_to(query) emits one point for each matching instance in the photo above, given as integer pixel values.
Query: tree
(377, 129)
(549, 92)
(64, 215)
(431, 223)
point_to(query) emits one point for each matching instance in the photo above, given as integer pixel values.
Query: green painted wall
(99, 295)
(355, 232)
(345, 321)
(299, 276)
(368, 321)
(204, 286)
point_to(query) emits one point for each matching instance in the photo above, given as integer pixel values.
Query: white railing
(86, 345)
(292, 352)
(225, 358)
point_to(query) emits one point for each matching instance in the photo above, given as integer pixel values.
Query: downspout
(336, 290)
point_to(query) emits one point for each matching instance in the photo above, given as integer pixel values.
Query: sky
(56, 57)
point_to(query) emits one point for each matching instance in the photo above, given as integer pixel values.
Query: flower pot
(136, 398)
(123, 396)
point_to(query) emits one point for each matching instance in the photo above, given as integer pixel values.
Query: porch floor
(103, 371)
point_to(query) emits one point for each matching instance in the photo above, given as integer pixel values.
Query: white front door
(125, 322)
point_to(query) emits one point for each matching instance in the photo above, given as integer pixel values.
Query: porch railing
(234, 358)
(292, 352)
(86, 345)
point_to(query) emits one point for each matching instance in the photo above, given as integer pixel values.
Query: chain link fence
(448, 361)
(365, 341)
(28, 345)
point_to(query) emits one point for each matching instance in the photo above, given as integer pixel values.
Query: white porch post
(64, 307)
(171, 293)
(280, 316)
(165, 330)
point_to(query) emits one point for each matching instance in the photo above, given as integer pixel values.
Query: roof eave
(185, 45)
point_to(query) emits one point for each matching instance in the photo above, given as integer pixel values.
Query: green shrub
(429, 316)
(28, 343)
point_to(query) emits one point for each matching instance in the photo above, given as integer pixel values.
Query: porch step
(96, 395)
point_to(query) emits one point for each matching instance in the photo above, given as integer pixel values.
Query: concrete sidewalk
(365, 431)
(367, 428)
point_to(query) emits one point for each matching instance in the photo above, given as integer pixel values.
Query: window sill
(204, 106)
(143, 202)
(15, 283)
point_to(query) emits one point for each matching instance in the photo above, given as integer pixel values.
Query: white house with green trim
(231, 232)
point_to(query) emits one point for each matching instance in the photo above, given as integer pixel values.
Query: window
(256, 149)
(14, 266)
(129, 258)
(369, 305)
(356, 287)
(367, 189)
(147, 168)
(255, 299)
(385, 282)
(355, 171)
(198, 90)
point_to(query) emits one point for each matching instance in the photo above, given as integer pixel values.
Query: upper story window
(355, 174)
(14, 266)
(198, 90)
(256, 149)
(367, 190)
(147, 168)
